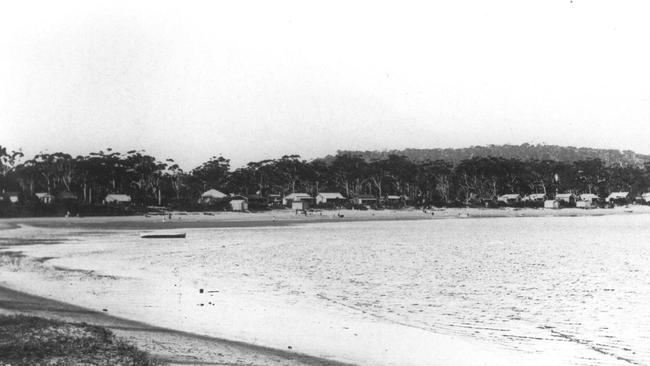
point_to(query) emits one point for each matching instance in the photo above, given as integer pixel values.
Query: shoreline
(156, 340)
(191, 220)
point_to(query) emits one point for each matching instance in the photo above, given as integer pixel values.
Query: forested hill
(567, 154)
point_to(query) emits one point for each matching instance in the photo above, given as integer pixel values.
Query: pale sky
(255, 80)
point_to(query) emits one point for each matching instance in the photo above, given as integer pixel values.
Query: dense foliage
(525, 152)
(86, 180)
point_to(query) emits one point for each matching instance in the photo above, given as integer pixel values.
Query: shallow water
(575, 289)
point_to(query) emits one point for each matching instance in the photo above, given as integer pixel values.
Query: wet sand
(170, 346)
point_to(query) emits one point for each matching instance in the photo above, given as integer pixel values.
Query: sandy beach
(183, 337)
(289, 217)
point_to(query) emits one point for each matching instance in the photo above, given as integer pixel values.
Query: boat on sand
(162, 235)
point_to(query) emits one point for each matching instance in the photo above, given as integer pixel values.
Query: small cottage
(619, 198)
(645, 197)
(238, 203)
(329, 197)
(289, 199)
(553, 204)
(566, 199)
(509, 199)
(212, 196)
(300, 205)
(535, 197)
(364, 199)
(45, 198)
(116, 198)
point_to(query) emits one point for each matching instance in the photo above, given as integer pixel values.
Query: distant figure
(67, 214)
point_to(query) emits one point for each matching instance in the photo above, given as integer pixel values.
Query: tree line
(152, 181)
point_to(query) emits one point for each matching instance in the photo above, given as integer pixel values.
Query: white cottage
(295, 197)
(325, 197)
(117, 198)
(212, 195)
(618, 198)
(509, 199)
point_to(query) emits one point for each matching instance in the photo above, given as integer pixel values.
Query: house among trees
(274, 200)
(238, 203)
(45, 198)
(509, 199)
(302, 205)
(288, 200)
(566, 199)
(619, 198)
(587, 200)
(116, 198)
(535, 198)
(554, 204)
(329, 197)
(364, 199)
(212, 196)
(645, 198)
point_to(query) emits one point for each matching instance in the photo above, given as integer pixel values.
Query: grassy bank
(28, 340)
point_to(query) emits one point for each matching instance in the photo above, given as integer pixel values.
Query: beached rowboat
(162, 235)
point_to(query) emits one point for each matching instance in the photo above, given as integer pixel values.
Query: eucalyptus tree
(212, 173)
(144, 173)
(349, 172)
(435, 179)
(8, 162)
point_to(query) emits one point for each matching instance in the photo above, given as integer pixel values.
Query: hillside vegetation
(567, 154)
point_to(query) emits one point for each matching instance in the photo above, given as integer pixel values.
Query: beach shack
(212, 196)
(238, 203)
(289, 199)
(45, 198)
(619, 198)
(645, 198)
(300, 205)
(117, 198)
(535, 197)
(364, 199)
(329, 197)
(553, 204)
(587, 200)
(509, 199)
(274, 200)
(566, 199)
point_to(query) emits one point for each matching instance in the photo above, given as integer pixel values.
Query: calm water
(577, 287)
